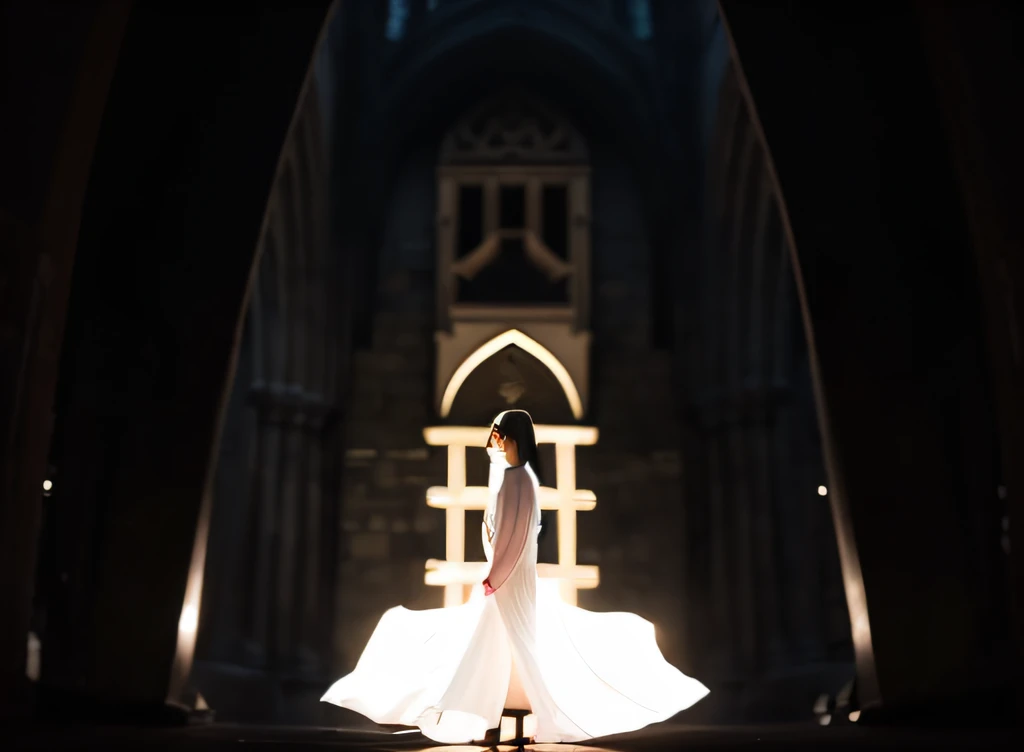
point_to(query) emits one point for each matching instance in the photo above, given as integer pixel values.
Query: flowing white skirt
(447, 670)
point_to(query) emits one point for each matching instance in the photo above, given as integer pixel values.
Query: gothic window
(513, 213)
(515, 263)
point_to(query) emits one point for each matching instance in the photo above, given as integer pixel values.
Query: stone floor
(217, 737)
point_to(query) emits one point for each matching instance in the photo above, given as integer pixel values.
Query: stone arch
(517, 338)
(455, 55)
(748, 389)
(466, 31)
(173, 341)
(510, 378)
(274, 486)
(463, 41)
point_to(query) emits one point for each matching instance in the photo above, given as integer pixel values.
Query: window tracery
(513, 219)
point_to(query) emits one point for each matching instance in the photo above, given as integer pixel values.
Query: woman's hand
(488, 590)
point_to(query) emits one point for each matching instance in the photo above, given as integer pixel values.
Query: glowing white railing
(454, 573)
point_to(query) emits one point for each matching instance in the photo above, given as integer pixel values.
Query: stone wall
(387, 530)
(635, 531)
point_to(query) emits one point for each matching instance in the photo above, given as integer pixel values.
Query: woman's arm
(514, 524)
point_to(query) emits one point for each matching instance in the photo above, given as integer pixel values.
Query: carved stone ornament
(513, 128)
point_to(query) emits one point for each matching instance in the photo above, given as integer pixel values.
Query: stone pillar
(288, 538)
(973, 62)
(143, 409)
(47, 153)
(894, 338)
(295, 346)
(748, 489)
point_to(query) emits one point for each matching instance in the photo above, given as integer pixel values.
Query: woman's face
(500, 441)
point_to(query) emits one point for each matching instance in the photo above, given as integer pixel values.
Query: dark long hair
(518, 426)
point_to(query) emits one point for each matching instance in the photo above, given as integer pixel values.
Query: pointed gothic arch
(525, 343)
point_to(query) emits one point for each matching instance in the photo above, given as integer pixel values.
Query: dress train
(448, 670)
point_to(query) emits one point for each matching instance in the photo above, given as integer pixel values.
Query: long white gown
(448, 670)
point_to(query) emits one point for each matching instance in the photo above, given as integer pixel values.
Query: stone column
(748, 489)
(893, 322)
(72, 51)
(973, 62)
(289, 539)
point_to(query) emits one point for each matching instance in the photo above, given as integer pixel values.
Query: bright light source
(822, 491)
(189, 621)
(508, 728)
(455, 574)
(854, 716)
(824, 720)
(47, 485)
(477, 435)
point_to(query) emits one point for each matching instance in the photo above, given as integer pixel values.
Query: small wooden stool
(520, 740)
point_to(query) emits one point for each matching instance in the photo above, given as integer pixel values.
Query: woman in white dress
(514, 645)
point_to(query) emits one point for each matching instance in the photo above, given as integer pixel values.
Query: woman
(451, 671)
